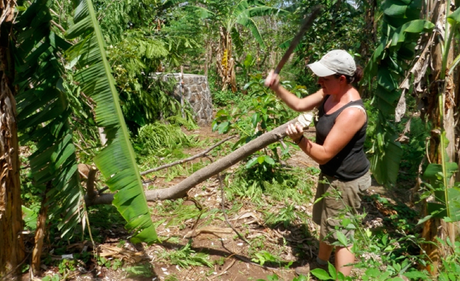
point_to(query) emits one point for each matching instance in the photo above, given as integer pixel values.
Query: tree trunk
(40, 234)
(225, 61)
(11, 225)
(442, 85)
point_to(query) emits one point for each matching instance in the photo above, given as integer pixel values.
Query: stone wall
(195, 90)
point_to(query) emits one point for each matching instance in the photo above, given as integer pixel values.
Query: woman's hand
(272, 80)
(295, 132)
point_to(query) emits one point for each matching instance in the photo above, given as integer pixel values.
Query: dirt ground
(216, 238)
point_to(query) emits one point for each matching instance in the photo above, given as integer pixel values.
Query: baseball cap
(334, 62)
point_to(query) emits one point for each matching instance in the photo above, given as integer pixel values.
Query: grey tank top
(351, 162)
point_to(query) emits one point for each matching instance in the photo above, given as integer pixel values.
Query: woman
(340, 134)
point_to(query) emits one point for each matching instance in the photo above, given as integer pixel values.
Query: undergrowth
(278, 195)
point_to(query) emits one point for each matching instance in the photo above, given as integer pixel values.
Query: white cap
(334, 62)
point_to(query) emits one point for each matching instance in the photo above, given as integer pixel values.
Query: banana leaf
(43, 116)
(116, 160)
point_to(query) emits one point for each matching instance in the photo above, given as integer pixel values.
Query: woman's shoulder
(354, 110)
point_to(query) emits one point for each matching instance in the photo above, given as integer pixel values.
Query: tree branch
(202, 154)
(179, 190)
(90, 190)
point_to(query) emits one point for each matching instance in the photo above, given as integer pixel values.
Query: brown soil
(215, 238)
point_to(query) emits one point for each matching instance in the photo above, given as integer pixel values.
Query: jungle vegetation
(77, 89)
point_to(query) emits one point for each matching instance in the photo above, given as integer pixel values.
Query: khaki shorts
(335, 201)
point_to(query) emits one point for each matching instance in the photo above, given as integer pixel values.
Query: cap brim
(320, 70)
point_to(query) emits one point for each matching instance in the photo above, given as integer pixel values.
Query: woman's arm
(347, 124)
(304, 104)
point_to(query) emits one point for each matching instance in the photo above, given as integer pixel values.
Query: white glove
(305, 119)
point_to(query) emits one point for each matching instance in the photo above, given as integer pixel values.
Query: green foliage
(55, 277)
(297, 185)
(160, 139)
(285, 215)
(263, 257)
(44, 117)
(186, 257)
(109, 263)
(141, 270)
(247, 66)
(451, 263)
(414, 150)
(94, 73)
(338, 26)
(66, 266)
(117, 17)
(242, 13)
(442, 197)
(233, 21)
(446, 200)
(283, 183)
(259, 113)
(331, 274)
(401, 28)
(183, 37)
(244, 190)
(83, 125)
(177, 213)
(30, 217)
(225, 98)
(144, 96)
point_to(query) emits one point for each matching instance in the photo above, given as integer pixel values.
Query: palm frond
(250, 24)
(117, 160)
(43, 116)
(202, 12)
(245, 12)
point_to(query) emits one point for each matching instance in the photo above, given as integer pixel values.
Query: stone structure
(194, 89)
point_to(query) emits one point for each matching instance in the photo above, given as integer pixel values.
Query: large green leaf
(401, 29)
(411, 28)
(96, 79)
(246, 11)
(385, 100)
(43, 116)
(387, 79)
(385, 163)
(454, 203)
(394, 8)
(435, 172)
(454, 18)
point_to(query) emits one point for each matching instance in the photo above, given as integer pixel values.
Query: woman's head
(337, 63)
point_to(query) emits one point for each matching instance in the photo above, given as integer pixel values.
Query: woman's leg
(325, 251)
(343, 256)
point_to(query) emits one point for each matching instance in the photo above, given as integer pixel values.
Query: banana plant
(401, 29)
(116, 161)
(228, 17)
(446, 199)
(43, 114)
(44, 119)
(431, 76)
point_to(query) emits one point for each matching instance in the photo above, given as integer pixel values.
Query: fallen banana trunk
(179, 190)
